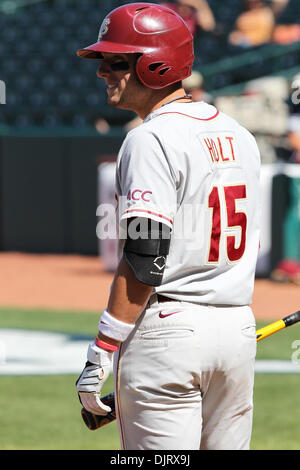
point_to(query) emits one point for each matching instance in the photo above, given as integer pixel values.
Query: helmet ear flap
(152, 72)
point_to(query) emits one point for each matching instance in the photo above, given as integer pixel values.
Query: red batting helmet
(159, 34)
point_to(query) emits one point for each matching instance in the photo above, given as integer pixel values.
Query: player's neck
(161, 99)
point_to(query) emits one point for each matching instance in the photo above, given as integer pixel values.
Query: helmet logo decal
(103, 28)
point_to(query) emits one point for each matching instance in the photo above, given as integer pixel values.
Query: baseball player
(178, 321)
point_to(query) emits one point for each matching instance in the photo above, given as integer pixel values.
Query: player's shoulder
(235, 125)
(175, 119)
(139, 132)
(172, 119)
(142, 140)
(143, 134)
(245, 138)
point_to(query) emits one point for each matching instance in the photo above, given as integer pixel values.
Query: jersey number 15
(234, 220)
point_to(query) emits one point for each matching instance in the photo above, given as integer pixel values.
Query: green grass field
(43, 412)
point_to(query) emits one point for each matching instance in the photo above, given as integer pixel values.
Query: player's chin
(118, 103)
(113, 101)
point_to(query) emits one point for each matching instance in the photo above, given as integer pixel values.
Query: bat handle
(97, 421)
(292, 318)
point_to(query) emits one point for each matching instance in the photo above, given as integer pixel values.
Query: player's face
(123, 88)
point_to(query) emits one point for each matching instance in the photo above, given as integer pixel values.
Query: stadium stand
(47, 85)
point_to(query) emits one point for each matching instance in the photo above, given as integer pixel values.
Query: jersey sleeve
(146, 181)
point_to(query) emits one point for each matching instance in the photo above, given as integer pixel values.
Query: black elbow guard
(146, 254)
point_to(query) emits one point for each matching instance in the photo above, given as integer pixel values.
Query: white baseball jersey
(196, 170)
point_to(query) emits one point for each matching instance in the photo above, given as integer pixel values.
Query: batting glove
(92, 378)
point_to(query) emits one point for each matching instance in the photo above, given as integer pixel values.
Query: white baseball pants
(184, 378)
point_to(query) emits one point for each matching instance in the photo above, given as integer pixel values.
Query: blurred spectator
(294, 137)
(284, 33)
(287, 270)
(101, 125)
(278, 6)
(194, 85)
(262, 108)
(196, 14)
(293, 123)
(254, 26)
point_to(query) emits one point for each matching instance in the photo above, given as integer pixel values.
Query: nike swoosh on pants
(164, 315)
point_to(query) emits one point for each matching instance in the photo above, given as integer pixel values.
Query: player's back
(214, 164)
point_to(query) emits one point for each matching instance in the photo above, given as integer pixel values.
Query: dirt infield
(71, 282)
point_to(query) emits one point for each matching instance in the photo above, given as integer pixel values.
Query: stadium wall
(48, 188)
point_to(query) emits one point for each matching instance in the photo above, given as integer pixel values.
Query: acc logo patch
(138, 194)
(103, 28)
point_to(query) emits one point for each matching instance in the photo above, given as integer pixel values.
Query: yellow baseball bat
(277, 325)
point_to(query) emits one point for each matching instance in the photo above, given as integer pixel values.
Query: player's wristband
(107, 346)
(113, 328)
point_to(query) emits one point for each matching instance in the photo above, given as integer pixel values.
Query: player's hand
(92, 378)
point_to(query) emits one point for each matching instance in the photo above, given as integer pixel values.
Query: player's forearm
(128, 297)
(278, 5)
(205, 17)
